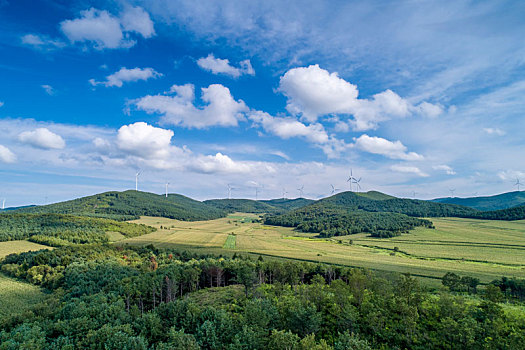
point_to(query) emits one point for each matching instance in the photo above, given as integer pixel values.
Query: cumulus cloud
(494, 131)
(48, 89)
(447, 169)
(6, 156)
(42, 138)
(107, 31)
(219, 109)
(511, 175)
(218, 163)
(392, 150)
(223, 66)
(41, 42)
(408, 170)
(143, 140)
(125, 75)
(313, 92)
(135, 19)
(288, 127)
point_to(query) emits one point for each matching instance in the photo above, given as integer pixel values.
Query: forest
(102, 297)
(59, 230)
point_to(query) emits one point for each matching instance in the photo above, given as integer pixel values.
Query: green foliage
(129, 205)
(59, 230)
(488, 203)
(102, 297)
(274, 206)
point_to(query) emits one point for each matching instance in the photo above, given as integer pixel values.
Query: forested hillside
(242, 205)
(60, 230)
(380, 215)
(102, 297)
(132, 204)
(487, 203)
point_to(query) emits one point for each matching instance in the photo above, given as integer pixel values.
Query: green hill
(242, 205)
(289, 204)
(131, 204)
(61, 230)
(497, 202)
(380, 215)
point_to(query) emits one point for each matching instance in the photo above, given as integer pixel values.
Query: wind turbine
(414, 194)
(284, 193)
(300, 189)
(518, 183)
(357, 183)
(167, 184)
(3, 204)
(334, 190)
(137, 180)
(230, 188)
(257, 193)
(452, 190)
(351, 179)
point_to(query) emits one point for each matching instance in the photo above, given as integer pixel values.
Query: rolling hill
(273, 206)
(380, 215)
(497, 202)
(131, 204)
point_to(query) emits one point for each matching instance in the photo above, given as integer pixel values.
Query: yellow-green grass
(17, 296)
(230, 242)
(12, 247)
(480, 248)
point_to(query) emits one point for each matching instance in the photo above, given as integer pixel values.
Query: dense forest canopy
(132, 204)
(487, 203)
(103, 297)
(60, 229)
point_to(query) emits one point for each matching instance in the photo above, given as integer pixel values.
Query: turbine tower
(284, 193)
(167, 184)
(518, 183)
(357, 183)
(300, 189)
(3, 204)
(230, 188)
(452, 190)
(257, 193)
(137, 180)
(334, 190)
(351, 179)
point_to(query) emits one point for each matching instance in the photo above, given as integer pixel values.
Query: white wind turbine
(284, 193)
(357, 183)
(167, 184)
(518, 183)
(351, 179)
(137, 180)
(452, 190)
(3, 204)
(334, 190)
(300, 189)
(230, 188)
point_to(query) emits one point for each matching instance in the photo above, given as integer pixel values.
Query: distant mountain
(16, 208)
(273, 206)
(497, 202)
(242, 205)
(131, 204)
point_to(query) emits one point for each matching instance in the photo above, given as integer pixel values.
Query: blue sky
(414, 96)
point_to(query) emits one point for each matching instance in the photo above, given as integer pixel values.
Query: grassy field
(480, 248)
(17, 296)
(11, 247)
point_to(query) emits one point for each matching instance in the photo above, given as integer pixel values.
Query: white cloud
(41, 42)
(223, 66)
(313, 92)
(431, 110)
(408, 170)
(220, 108)
(447, 169)
(143, 140)
(392, 150)
(511, 175)
(6, 156)
(1, 103)
(48, 89)
(494, 131)
(42, 138)
(288, 127)
(127, 75)
(218, 163)
(135, 19)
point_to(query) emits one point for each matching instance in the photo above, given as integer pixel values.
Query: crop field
(17, 296)
(11, 247)
(479, 248)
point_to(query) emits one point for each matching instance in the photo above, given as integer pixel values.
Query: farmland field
(17, 296)
(480, 248)
(11, 247)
